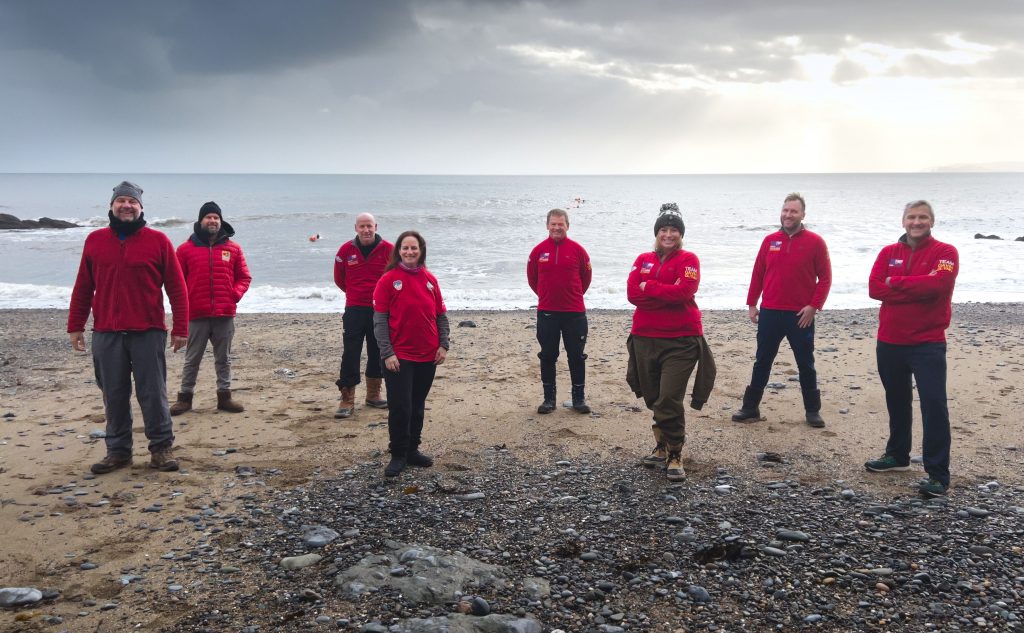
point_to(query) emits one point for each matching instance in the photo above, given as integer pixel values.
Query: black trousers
(571, 327)
(357, 324)
(407, 399)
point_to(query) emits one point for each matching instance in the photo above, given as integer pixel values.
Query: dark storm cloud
(122, 39)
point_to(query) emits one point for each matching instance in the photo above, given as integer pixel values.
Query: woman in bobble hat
(667, 341)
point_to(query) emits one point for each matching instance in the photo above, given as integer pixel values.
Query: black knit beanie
(208, 208)
(669, 216)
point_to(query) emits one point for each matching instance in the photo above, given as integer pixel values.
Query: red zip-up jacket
(665, 308)
(217, 276)
(122, 282)
(917, 302)
(412, 301)
(559, 273)
(791, 272)
(357, 276)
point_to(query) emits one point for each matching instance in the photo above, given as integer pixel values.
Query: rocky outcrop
(8, 221)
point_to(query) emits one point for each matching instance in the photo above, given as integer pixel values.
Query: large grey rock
(536, 588)
(8, 221)
(14, 596)
(317, 535)
(432, 575)
(458, 623)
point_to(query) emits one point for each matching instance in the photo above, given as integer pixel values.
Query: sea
(480, 229)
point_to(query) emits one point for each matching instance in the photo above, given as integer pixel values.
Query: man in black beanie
(217, 277)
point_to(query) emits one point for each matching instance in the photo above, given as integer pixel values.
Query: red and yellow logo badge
(690, 272)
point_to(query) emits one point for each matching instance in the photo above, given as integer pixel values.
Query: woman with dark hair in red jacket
(667, 339)
(410, 323)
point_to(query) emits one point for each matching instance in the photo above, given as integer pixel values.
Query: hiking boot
(549, 400)
(183, 404)
(396, 465)
(110, 463)
(659, 454)
(932, 488)
(749, 411)
(347, 403)
(163, 461)
(225, 403)
(416, 458)
(579, 402)
(812, 408)
(373, 398)
(674, 463)
(885, 463)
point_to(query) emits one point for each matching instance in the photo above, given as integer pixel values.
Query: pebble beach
(281, 519)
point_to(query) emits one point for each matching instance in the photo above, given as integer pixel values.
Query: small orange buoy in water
(313, 238)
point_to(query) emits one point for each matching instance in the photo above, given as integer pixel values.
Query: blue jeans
(571, 328)
(772, 327)
(925, 363)
(117, 357)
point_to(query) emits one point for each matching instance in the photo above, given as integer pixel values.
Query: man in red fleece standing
(217, 277)
(124, 270)
(914, 279)
(559, 272)
(358, 266)
(792, 276)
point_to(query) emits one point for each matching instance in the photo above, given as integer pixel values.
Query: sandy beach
(56, 519)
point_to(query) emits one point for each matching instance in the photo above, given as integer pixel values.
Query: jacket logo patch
(430, 286)
(353, 260)
(338, 259)
(944, 266)
(544, 257)
(397, 284)
(589, 267)
(690, 272)
(645, 268)
(225, 255)
(895, 262)
(775, 245)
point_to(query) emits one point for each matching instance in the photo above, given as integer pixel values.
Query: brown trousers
(663, 367)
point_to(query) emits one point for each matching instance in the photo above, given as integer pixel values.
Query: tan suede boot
(225, 403)
(183, 404)
(347, 403)
(373, 398)
(674, 463)
(659, 454)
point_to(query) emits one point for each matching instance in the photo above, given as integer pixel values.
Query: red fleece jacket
(665, 308)
(559, 273)
(357, 275)
(791, 272)
(917, 301)
(121, 281)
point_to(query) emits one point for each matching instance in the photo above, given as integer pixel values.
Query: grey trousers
(219, 331)
(116, 358)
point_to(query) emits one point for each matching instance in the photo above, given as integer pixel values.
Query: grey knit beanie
(669, 216)
(129, 189)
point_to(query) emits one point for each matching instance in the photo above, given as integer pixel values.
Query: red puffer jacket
(216, 276)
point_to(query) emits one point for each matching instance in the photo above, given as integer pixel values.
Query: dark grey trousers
(219, 331)
(117, 357)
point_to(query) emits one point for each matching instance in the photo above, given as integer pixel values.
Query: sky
(506, 87)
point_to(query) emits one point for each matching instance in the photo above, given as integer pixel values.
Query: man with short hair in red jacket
(792, 276)
(217, 277)
(559, 272)
(914, 280)
(124, 270)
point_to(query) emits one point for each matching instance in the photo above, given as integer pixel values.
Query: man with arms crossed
(792, 275)
(357, 267)
(121, 278)
(559, 272)
(914, 279)
(217, 277)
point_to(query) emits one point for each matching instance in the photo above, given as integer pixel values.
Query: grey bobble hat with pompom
(669, 215)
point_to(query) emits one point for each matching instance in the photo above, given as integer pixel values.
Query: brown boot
(659, 454)
(674, 463)
(373, 398)
(225, 403)
(163, 460)
(347, 404)
(183, 404)
(110, 463)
